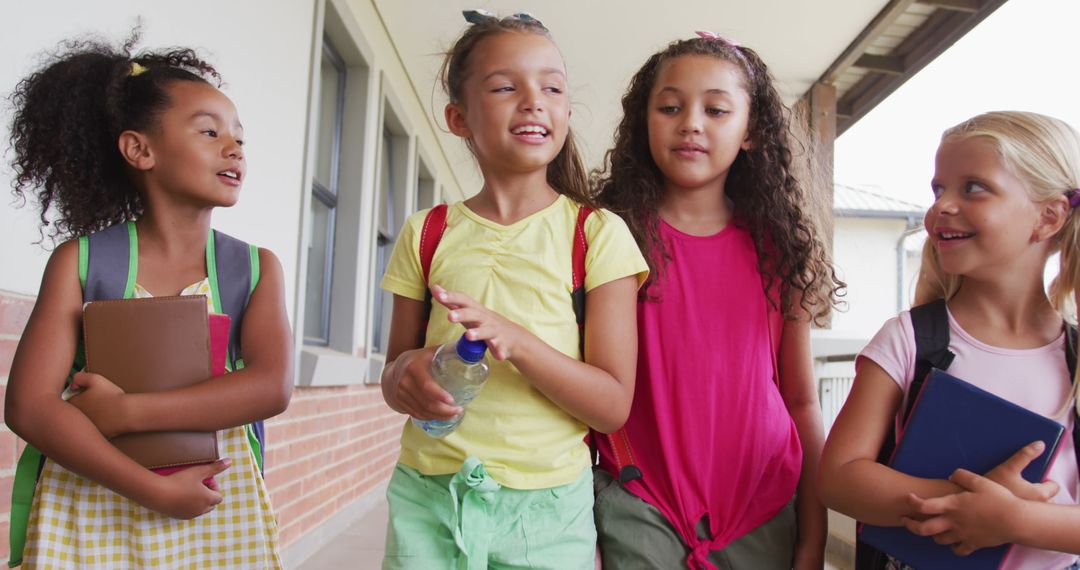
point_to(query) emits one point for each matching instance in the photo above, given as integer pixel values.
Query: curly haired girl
(140, 147)
(725, 424)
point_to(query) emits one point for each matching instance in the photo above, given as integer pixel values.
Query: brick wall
(14, 310)
(328, 449)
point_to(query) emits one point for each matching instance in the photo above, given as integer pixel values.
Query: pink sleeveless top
(708, 427)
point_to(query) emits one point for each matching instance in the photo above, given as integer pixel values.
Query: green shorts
(468, 521)
(635, 535)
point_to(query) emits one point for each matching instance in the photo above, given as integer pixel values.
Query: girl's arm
(35, 412)
(260, 390)
(407, 385)
(987, 514)
(597, 391)
(798, 387)
(851, 480)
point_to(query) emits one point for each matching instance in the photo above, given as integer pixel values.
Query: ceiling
(605, 41)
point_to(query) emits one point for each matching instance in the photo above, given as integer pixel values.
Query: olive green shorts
(636, 535)
(469, 521)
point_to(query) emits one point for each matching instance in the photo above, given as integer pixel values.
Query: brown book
(153, 345)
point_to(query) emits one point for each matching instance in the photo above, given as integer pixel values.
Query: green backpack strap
(22, 496)
(30, 462)
(233, 270)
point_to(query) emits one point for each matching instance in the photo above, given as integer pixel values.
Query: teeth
(231, 174)
(954, 235)
(530, 129)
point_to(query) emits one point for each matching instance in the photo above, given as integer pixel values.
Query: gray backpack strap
(232, 279)
(233, 268)
(110, 267)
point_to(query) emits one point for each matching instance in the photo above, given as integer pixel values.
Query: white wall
(262, 51)
(864, 251)
(266, 52)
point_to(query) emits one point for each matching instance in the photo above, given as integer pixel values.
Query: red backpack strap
(577, 290)
(624, 456)
(620, 443)
(430, 235)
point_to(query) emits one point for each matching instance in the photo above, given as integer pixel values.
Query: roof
(903, 38)
(866, 48)
(852, 202)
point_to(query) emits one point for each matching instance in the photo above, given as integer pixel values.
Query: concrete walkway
(360, 546)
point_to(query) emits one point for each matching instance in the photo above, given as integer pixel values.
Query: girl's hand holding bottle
(503, 337)
(413, 391)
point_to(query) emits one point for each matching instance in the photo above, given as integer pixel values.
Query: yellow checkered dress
(76, 523)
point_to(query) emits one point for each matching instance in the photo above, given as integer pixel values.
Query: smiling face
(983, 221)
(514, 109)
(194, 152)
(698, 116)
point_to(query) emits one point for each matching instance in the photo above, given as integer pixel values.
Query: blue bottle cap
(471, 350)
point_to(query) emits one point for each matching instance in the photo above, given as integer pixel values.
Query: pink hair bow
(717, 38)
(730, 43)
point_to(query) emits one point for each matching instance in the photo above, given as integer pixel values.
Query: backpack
(931, 326)
(430, 235)
(435, 225)
(108, 262)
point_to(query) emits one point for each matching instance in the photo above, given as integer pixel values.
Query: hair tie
(717, 38)
(479, 16)
(1073, 196)
(136, 70)
(730, 44)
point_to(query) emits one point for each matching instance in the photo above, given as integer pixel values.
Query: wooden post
(816, 113)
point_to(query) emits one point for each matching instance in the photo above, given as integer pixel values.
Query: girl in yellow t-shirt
(512, 484)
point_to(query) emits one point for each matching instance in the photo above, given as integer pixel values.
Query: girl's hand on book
(502, 336)
(99, 400)
(985, 514)
(1008, 475)
(416, 392)
(184, 495)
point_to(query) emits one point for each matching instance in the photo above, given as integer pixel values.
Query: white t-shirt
(1037, 379)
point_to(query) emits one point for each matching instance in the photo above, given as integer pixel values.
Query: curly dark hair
(768, 199)
(566, 173)
(68, 116)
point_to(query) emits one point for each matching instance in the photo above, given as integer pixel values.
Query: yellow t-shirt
(522, 271)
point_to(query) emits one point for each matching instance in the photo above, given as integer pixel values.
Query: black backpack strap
(930, 323)
(931, 327)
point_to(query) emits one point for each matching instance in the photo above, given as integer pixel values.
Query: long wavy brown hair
(566, 173)
(769, 200)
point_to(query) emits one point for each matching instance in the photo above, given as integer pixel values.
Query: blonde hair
(1044, 153)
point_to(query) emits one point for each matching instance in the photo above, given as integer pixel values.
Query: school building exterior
(342, 122)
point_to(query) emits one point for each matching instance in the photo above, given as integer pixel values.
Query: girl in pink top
(1005, 190)
(725, 424)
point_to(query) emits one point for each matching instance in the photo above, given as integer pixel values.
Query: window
(425, 186)
(385, 237)
(324, 199)
(393, 203)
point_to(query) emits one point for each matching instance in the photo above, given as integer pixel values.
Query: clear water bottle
(461, 369)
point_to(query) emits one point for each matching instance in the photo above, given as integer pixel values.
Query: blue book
(956, 425)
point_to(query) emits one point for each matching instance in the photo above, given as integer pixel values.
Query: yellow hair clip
(136, 70)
